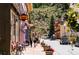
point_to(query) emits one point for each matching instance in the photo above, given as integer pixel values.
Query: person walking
(35, 38)
(28, 32)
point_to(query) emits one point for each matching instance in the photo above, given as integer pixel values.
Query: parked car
(64, 40)
(77, 42)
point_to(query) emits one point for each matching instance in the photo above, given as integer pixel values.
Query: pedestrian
(26, 28)
(35, 38)
(28, 32)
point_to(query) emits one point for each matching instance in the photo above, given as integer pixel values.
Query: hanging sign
(24, 17)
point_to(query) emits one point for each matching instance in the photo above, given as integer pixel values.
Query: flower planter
(49, 52)
(46, 48)
(43, 44)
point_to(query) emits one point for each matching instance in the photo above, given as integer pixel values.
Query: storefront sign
(24, 17)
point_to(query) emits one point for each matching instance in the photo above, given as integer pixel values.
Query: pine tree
(51, 28)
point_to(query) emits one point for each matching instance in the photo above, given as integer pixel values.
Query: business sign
(24, 17)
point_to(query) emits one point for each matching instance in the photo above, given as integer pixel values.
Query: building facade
(10, 25)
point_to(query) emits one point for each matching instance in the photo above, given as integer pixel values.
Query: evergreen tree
(51, 28)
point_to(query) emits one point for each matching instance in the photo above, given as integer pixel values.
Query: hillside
(41, 15)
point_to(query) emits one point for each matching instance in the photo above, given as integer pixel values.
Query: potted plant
(72, 38)
(49, 51)
(77, 42)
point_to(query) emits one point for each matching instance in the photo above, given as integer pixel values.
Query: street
(38, 50)
(62, 49)
(26, 27)
(59, 49)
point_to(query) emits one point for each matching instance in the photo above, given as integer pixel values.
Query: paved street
(38, 50)
(62, 49)
(59, 49)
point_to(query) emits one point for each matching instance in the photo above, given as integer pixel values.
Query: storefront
(15, 25)
(9, 26)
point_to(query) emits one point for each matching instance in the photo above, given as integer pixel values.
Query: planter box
(46, 48)
(43, 44)
(49, 52)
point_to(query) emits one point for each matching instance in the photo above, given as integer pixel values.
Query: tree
(44, 11)
(72, 20)
(51, 28)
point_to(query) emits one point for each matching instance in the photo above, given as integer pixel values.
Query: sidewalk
(38, 50)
